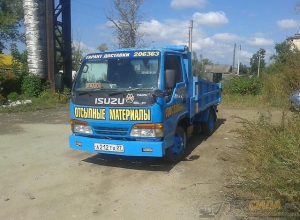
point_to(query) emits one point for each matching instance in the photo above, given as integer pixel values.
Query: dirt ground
(41, 178)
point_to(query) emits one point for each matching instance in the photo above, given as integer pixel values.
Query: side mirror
(59, 82)
(170, 76)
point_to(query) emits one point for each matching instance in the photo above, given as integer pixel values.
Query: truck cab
(139, 102)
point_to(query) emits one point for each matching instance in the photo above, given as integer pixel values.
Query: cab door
(176, 105)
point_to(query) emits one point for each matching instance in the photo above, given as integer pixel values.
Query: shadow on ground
(150, 163)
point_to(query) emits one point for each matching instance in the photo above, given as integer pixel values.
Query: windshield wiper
(120, 92)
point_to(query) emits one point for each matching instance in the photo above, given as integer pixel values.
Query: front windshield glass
(118, 74)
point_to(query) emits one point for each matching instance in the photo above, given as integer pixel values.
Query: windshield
(118, 74)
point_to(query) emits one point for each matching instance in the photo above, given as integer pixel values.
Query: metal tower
(59, 49)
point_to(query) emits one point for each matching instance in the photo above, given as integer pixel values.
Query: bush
(276, 90)
(243, 86)
(10, 82)
(2, 99)
(31, 86)
(273, 160)
(13, 96)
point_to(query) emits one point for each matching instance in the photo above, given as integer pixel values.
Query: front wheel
(176, 152)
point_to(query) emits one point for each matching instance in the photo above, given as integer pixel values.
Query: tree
(128, 22)
(207, 62)
(199, 64)
(243, 69)
(11, 17)
(77, 53)
(283, 49)
(258, 61)
(103, 47)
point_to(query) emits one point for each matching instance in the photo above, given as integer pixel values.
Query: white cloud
(260, 42)
(211, 19)
(83, 47)
(226, 37)
(246, 55)
(180, 4)
(171, 30)
(288, 24)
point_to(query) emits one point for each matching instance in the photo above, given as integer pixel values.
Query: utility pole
(238, 70)
(191, 36)
(233, 60)
(258, 65)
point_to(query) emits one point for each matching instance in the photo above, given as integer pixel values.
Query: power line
(95, 7)
(80, 12)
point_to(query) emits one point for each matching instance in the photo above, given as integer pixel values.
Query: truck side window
(174, 62)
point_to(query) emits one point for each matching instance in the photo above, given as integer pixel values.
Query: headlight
(81, 127)
(147, 130)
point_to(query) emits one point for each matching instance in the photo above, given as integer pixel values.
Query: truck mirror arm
(159, 93)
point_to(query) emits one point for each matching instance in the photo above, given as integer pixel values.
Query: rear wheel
(207, 128)
(176, 152)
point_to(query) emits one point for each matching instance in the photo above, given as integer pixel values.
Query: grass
(269, 149)
(237, 100)
(46, 100)
(271, 159)
(258, 101)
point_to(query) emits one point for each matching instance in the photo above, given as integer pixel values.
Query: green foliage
(32, 86)
(13, 96)
(2, 99)
(282, 49)
(281, 79)
(19, 61)
(273, 156)
(199, 65)
(46, 100)
(237, 100)
(11, 16)
(244, 70)
(9, 82)
(243, 86)
(258, 61)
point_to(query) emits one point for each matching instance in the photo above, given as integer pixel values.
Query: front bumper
(131, 148)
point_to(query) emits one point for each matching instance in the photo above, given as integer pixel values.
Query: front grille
(111, 131)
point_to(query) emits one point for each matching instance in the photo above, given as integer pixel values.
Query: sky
(218, 26)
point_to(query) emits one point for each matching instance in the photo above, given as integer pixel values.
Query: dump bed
(203, 95)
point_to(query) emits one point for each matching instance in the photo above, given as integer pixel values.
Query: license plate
(109, 147)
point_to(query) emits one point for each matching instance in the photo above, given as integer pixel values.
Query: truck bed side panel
(205, 94)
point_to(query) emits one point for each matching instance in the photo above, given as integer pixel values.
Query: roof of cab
(175, 48)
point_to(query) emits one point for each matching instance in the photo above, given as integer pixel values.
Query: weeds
(47, 99)
(273, 157)
(236, 100)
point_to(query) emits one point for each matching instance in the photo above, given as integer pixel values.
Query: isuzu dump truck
(140, 102)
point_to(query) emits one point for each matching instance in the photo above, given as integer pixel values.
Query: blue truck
(140, 102)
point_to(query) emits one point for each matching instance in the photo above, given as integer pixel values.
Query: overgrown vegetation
(271, 149)
(273, 162)
(18, 84)
(243, 86)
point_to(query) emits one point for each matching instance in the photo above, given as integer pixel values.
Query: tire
(176, 152)
(207, 128)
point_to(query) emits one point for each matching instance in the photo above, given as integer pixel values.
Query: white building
(295, 40)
